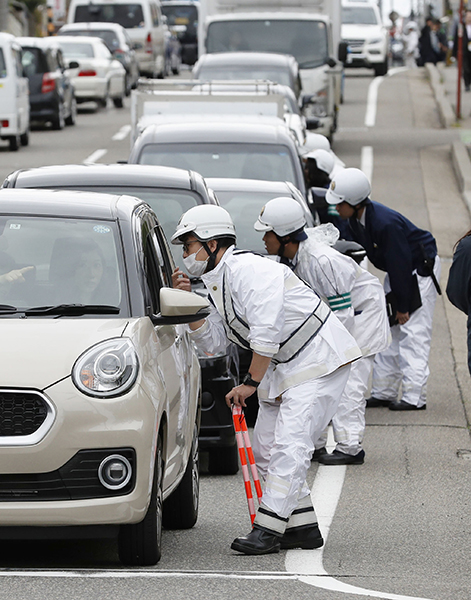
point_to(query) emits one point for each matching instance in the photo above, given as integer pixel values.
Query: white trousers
(284, 434)
(406, 359)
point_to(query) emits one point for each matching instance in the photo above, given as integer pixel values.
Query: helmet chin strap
(212, 255)
(281, 249)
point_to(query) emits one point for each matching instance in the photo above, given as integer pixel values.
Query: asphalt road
(402, 524)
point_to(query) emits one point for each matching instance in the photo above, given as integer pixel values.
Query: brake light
(49, 83)
(149, 44)
(87, 73)
(5, 123)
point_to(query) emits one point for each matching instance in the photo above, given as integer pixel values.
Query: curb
(445, 111)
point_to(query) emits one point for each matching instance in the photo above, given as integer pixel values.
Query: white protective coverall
(357, 299)
(297, 398)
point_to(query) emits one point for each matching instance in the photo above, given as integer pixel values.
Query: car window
(62, 261)
(76, 49)
(51, 61)
(358, 15)
(126, 15)
(101, 51)
(272, 162)
(16, 57)
(3, 67)
(109, 37)
(152, 262)
(154, 14)
(186, 16)
(245, 72)
(306, 40)
(34, 62)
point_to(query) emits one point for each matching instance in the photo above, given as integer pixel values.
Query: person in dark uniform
(458, 288)
(409, 257)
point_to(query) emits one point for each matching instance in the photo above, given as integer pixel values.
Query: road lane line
(367, 162)
(122, 133)
(94, 156)
(371, 102)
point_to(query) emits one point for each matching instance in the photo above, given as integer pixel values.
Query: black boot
(257, 541)
(306, 538)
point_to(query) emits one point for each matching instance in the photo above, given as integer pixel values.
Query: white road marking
(371, 102)
(122, 133)
(367, 161)
(94, 156)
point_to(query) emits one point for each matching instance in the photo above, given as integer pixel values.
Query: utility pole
(3, 15)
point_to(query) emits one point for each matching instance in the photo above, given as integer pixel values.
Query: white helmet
(282, 216)
(314, 141)
(349, 185)
(325, 160)
(206, 222)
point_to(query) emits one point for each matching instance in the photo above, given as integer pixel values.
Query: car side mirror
(312, 123)
(73, 64)
(178, 306)
(342, 52)
(331, 62)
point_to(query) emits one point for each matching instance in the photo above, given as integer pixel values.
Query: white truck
(307, 29)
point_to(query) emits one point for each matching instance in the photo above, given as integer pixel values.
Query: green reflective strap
(340, 302)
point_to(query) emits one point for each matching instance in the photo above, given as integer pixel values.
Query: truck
(309, 30)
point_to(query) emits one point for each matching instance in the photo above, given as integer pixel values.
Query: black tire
(127, 85)
(118, 102)
(181, 508)
(72, 118)
(24, 138)
(140, 544)
(58, 122)
(382, 69)
(15, 143)
(224, 461)
(103, 102)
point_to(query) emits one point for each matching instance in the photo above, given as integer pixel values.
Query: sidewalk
(449, 80)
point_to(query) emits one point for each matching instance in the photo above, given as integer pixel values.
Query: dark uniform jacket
(458, 288)
(395, 245)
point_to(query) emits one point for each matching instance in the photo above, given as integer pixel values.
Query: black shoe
(340, 458)
(306, 538)
(318, 452)
(401, 405)
(376, 402)
(257, 542)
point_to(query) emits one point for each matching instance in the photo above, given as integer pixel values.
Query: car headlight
(108, 369)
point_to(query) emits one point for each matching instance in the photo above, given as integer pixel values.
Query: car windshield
(127, 15)
(77, 49)
(59, 261)
(306, 40)
(34, 61)
(181, 15)
(248, 161)
(245, 72)
(109, 37)
(168, 205)
(3, 67)
(358, 15)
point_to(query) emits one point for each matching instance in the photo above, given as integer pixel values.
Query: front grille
(355, 43)
(76, 480)
(21, 413)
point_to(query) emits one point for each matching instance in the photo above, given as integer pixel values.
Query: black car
(170, 192)
(51, 93)
(182, 19)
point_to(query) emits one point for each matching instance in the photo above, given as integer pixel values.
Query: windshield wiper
(8, 308)
(73, 310)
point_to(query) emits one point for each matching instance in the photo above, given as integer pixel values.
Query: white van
(141, 18)
(14, 94)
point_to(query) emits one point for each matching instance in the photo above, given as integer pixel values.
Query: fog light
(114, 472)
(207, 400)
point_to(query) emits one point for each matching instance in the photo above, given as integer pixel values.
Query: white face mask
(193, 266)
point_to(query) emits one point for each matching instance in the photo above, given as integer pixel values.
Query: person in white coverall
(300, 365)
(357, 299)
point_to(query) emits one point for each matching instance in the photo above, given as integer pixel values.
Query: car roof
(272, 16)
(36, 42)
(217, 131)
(105, 175)
(60, 203)
(80, 40)
(246, 58)
(91, 25)
(218, 184)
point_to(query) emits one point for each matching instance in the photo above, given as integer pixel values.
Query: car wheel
(103, 102)
(382, 69)
(224, 461)
(24, 138)
(58, 122)
(181, 508)
(118, 102)
(14, 142)
(140, 544)
(72, 118)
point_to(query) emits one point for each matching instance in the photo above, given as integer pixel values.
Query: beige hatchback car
(100, 384)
